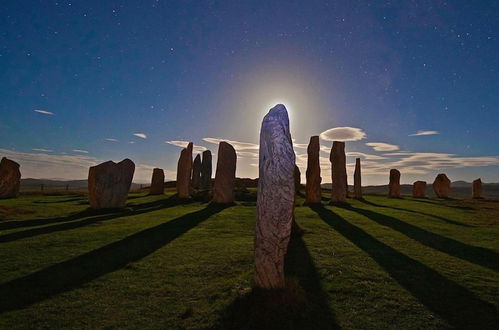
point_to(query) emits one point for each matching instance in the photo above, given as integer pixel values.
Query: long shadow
(91, 218)
(67, 275)
(417, 212)
(303, 304)
(420, 200)
(79, 198)
(476, 255)
(457, 305)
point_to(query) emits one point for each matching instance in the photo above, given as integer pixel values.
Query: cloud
(247, 154)
(343, 134)
(111, 140)
(424, 133)
(364, 155)
(236, 144)
(80, 151)
(42, 150)
(381, 146)
(179, 143)
(45, 112)
(140, 135)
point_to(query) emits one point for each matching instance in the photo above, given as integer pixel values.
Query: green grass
(378, 263)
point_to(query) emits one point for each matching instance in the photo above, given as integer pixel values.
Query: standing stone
(225, 175)
(157, 182)
(339, 172)
(313, 185)
(108, 184)
(184, 169)
(357, 180)
(196, 172)
(275, 200)
(297, 176)
(419, 189)
(206, 171)
(441, 186)
(10, 178)
(394, 185)
(477, 188)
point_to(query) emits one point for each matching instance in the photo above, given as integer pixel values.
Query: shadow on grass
(67, 275)
(79, 198)
(302, 304)
(439, 203)
(476, 255)
(457, 305)
(452, 222)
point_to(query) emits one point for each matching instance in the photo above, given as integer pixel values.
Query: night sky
(408, 84)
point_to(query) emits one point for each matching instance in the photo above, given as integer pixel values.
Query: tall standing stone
(109, 183)
(477, 188)
(225, 175)
(184, 170)
(206, 169)
(196, 172)
(419, 189)
(10, 178)
(441, 186)
(357, 180)
(339, 172)
(275, 200)
(297, 176)
(157, 182)
(313, 185)
(394, 185)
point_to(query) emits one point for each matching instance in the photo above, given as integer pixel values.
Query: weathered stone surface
(206, 169)
(275, 200)
(357, 180)
(108, 184)
(419, 189)
(297, 176)
(196, 172)
(225, 175)
(10, 178)
(313, 185)
(394, 185)
(441, 186)
(184, 170)
(477, 188)
(157, 182)
(339, 172)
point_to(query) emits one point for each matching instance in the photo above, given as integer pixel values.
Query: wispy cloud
(382, 146)
(45, 112)
(111, 140)
(80, 151)
(343, 134)
(182, 144)
(238, 145)
(364, 155)
(424, 133)
(42, 150)
(140, 135)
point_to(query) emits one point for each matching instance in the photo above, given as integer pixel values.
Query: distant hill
(35, 184)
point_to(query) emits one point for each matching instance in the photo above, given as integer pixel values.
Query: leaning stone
(206, 171)
(394, 185)
(196, 172)
(184, 169)
(419, 189)
(225, 176)
(477, 188)
(10, 178)
(339, 172)
(313, 193)
(357, 180)
(109, 183)
(157, 182)
(275, 199)
(441, 186)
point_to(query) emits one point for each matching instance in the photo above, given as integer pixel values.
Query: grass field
(379, 263)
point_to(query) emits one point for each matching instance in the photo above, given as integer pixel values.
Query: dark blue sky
(188, 70)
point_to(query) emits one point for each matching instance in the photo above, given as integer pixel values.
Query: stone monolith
(275, 200)
(357, 180)
(109, 183)
(477, 188)
(225, 175)
(313, 193)
(157, 182)
(10, 178)
(184, 170)
(419, 189)
(297, 177)
(196, 172)
(206, 169)
(394, 185)
(441, 186)
(338, 161)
